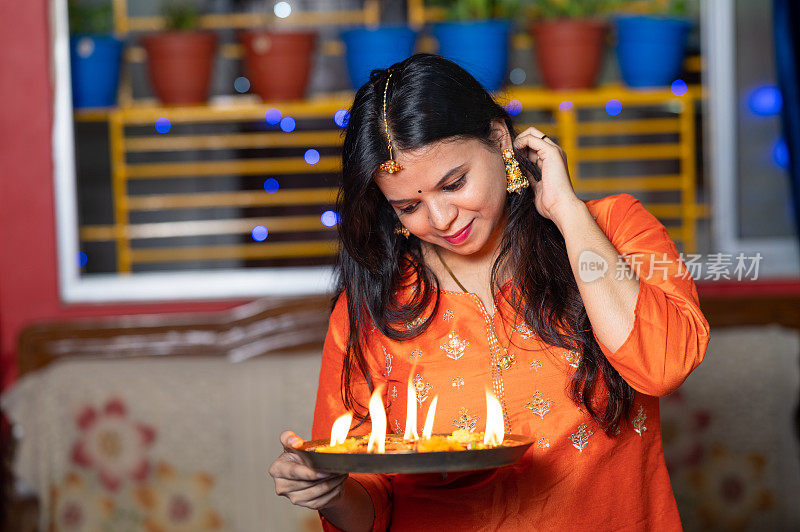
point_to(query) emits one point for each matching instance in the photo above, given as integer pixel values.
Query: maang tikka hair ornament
(390, 166)
(515, 181)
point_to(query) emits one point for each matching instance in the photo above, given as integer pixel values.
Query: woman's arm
(656, 336)
(608, 287)
(646, 319)
(353, 510)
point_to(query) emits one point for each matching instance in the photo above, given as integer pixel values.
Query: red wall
(28, 271)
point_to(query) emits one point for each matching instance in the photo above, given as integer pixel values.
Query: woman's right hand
(296, 480)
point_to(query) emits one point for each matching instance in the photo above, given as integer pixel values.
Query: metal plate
(514, 446)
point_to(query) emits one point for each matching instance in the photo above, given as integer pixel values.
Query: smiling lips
(460, 236)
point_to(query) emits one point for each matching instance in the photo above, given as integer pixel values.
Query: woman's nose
(441, 215)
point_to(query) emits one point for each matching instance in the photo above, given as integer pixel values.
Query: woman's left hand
(554, 193)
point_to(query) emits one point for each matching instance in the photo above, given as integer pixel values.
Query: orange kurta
(574, 477)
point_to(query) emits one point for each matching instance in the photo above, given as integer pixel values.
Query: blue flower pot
(368, 49)
(650, 50)
(480, 47)
(95, 61)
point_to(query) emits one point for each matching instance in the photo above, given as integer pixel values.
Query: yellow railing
(680, 216)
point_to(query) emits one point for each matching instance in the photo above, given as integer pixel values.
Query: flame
(378, 416)
(340, 428)
(411, 412)
(428, 428)
(495, 429)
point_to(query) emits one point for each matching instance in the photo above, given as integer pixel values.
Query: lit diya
(460, 450)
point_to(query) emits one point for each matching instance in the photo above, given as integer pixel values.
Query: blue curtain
(786, 27)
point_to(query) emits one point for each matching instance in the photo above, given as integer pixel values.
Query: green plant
(553, 9)
(478, 9)
(180, 15)
(672, 8)
(90, 17)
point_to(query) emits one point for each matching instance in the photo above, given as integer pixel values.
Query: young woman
(577, 315)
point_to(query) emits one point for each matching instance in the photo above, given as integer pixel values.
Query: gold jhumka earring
(401, 229)
(515, 181)
(389, 166)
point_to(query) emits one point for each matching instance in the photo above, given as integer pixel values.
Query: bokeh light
(341, 118)
(163, 125)
(766, 100)
(566, 105)
(329, 218)
(613, 107)
(311, 156)
(282, 9)
(241, 84)
(288, 124)
(514, 107)
(517, 76)
(271, 185)
(85, 47)
(679, 87)
(259, 233)
(272, 116)
(82, 259)
(780, 153)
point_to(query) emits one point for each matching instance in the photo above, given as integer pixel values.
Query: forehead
(423, 167)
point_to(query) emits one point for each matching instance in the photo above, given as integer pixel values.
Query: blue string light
(272, 116)
(329, 218)
(271, 185)
(259, 233)
(766, 100)
(613, 107)
(311, 156)
(679, 87)
(163, 125)
(288, 124)
(780, 153)
(341, 118)
(514, 107)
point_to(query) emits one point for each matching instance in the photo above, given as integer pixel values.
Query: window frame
(139, 287)
(780, 255)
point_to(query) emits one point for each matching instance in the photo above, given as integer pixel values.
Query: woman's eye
(456, 184)
(408, 209)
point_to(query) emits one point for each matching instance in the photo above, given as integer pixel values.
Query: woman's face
(450, 193)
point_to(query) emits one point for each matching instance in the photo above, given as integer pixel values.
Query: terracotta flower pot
(179, 64)
(278, 64)
(569, 52)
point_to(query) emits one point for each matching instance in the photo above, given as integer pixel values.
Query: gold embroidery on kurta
(387, 358)
(465, 420)
(454, 346)
(638, 421)
(539, 405)
(458, 382)
(394, 392)
(572, 357)
(535, 364)
(415, 353)
(422, 388)
(397, 429)
(448, 315)
(525, 331)
(543, 443)
(581, 437)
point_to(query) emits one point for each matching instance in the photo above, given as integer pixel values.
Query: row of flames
(493, 435)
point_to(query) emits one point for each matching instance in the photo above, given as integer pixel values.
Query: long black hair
(430, 99)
